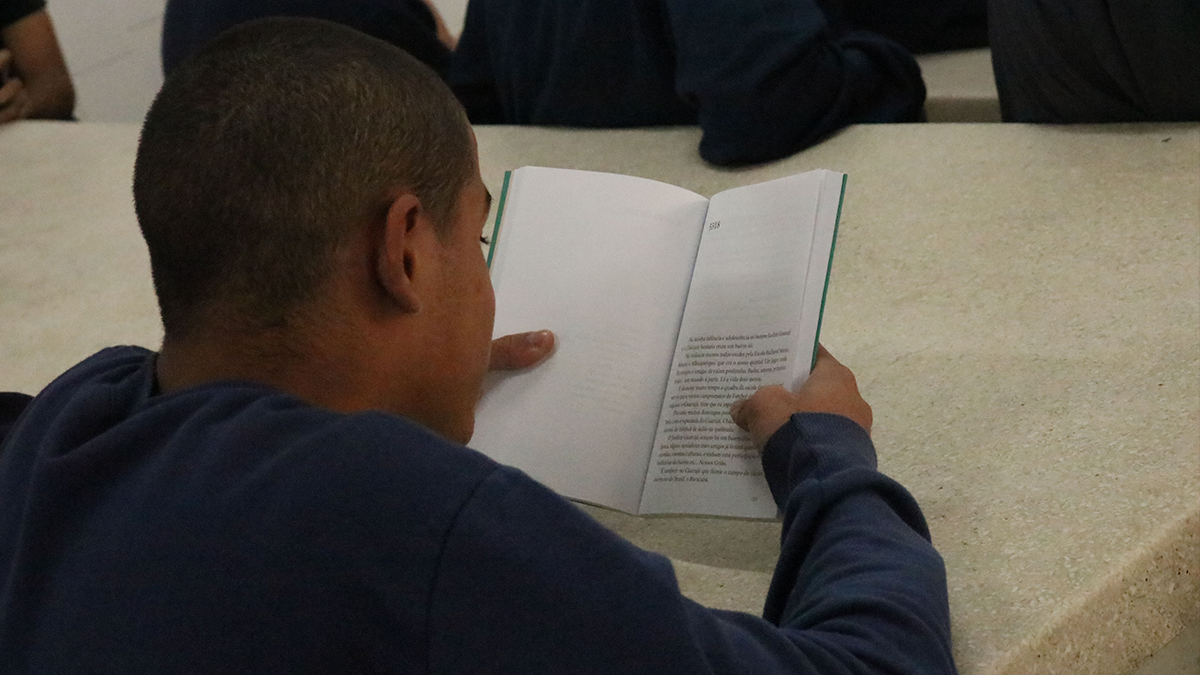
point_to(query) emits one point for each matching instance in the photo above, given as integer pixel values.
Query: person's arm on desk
(34, 82)
(857, 577)
(770, 79)
(529, 583)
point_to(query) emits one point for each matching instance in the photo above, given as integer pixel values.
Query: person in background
(762, 78)
(1096, 60)
(920, 26)
(415, 26)
(34, 82)
(284, 487)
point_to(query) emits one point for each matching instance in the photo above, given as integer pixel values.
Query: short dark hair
(263, 152)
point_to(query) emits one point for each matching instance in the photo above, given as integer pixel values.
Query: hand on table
(514, 352)
(15, 103)
(830, 388)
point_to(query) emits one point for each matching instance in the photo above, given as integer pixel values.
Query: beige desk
(1021, 305)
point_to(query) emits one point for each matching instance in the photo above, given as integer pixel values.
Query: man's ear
(398, 259)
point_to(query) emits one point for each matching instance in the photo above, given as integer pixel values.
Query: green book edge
(500, 214)
(828, 269)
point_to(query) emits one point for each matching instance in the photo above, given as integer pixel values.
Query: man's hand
(830, 388)
(14, 99)
(39, 86)
(514, 352)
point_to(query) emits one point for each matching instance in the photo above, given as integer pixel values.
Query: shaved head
(265, 150)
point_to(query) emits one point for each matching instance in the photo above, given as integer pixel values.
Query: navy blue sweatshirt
(188, 25)
(763, 78)
(232, 528)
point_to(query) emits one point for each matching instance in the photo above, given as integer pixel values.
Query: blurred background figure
(762, 78)
(34, 82)
(1096, 60)
(920, 26)
(413, 25)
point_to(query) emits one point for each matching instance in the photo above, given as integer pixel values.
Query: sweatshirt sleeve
(528, 583)
(772, 77)
(856, 561)
(12, 405)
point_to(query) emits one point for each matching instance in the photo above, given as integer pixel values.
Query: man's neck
(286, 360)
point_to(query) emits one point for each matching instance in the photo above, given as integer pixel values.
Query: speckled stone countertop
(1020, 304)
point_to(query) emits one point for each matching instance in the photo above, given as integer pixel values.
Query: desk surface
(1021, 306)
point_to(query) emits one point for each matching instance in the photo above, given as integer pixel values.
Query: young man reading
(283, 486)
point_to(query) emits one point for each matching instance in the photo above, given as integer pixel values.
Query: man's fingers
(513, 352)
(822, 353)
(8, 91)
(735, 411)
(830, 388)
(14, 101)
(5, 63)
(825, 360)
(763, 413)
(747, 412)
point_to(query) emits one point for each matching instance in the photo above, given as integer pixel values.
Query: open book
(667, 307)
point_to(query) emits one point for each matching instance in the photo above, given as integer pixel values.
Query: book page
(741, 331)
(604, 261)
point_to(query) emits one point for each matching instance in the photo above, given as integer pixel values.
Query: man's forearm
(771, 79)
(856, 559)
(38, 62)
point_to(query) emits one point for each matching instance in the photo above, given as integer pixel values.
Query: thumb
(521, 350)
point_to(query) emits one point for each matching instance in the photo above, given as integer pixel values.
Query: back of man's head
(264, 151)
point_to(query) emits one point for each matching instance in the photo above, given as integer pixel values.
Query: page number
(716, 224)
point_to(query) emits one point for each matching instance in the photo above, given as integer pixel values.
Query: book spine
(500, 214)
(828, 269)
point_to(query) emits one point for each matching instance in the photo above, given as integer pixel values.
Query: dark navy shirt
(190, 24)
(762, 78)
(232, 528)
(920, 26)
(1093, 61)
